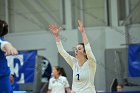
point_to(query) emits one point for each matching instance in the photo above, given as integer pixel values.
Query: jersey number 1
(78, 77)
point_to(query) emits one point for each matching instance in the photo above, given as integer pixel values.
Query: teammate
(14, 84)
(83, 64)
(5, 49)
(58, 83)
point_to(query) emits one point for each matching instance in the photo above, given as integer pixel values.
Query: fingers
(80, 23)
(53, 27)
(80, 26)
(12, 51)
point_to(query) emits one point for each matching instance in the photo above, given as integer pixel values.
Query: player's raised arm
(56, 30)
(89, 53)
(82, 30)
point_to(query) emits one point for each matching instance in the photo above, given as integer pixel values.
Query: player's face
(11, 78)
(79, 51)
(55, 72)
(119, 88)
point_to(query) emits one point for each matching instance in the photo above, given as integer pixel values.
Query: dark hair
(13, 75)
(115, 84)
(60, 70)
(84, 48)
(3, 28)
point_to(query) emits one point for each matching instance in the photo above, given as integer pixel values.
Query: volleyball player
(58, 83)
(83, 64)
(5, 49)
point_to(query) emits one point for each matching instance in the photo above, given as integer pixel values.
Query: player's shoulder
(2, 39)
(52, 79)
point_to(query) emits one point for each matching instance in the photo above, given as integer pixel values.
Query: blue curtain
(134, 60)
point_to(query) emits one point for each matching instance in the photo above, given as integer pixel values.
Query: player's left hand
(80, 26)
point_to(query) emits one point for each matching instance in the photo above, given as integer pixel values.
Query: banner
(46, 69)
(23, 66)
(134, 60)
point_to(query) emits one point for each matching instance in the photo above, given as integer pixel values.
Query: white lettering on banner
(21, 79)
(15, 69)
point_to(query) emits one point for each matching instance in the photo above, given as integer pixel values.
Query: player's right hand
(10, 50)
(54, 29)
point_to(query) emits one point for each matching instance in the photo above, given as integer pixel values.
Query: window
(134, 7)
(129, 11)
(34, 15)
(92, 12)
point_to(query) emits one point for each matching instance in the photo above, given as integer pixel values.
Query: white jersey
(83, 77)
(58, 85)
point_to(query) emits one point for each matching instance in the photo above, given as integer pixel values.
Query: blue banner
(134, 60)
(23, 66)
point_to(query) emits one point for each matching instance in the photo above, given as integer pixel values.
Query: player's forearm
(84, 36)
(3, 45)
(57, 38)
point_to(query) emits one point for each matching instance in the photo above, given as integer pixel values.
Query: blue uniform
(5, 86)
(15, 86)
